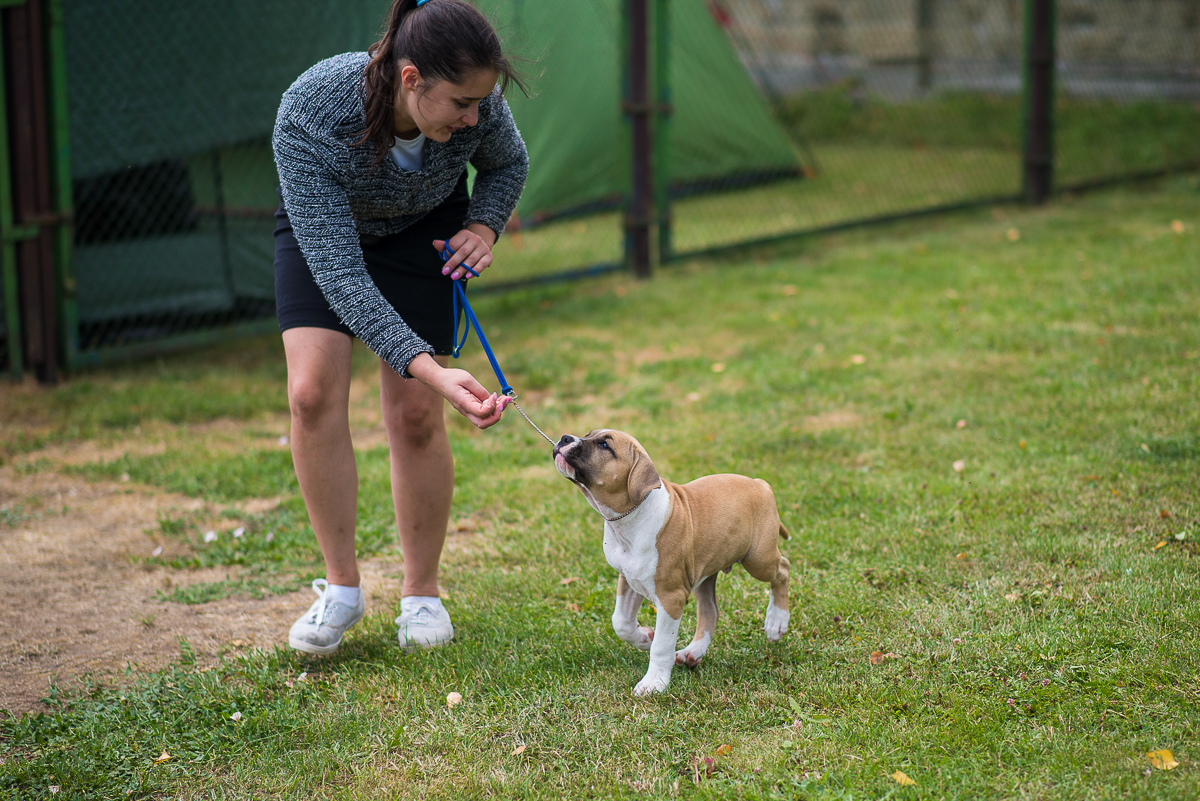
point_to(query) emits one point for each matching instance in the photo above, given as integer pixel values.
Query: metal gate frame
(35, 190)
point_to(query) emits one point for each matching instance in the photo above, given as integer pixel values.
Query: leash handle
(461, 305)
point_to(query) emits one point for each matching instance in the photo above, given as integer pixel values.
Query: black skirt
(404, 266)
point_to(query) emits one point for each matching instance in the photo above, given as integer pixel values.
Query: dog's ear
(642, 477)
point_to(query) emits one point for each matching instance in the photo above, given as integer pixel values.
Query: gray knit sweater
(333, 194)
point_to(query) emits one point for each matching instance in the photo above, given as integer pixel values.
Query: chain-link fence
(171, 110)
(786, 116)
(902, 106)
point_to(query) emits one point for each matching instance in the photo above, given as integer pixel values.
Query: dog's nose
(566, 440)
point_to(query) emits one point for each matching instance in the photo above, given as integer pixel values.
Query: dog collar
(624, 515)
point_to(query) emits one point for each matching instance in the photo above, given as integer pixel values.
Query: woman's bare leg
(422, 475)
(318, 363)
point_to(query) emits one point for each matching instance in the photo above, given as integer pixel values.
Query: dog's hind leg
(777, 572)
(624, 617)
(776, 621)
(706, 622)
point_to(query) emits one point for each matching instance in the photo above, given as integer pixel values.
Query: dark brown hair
(446, 40)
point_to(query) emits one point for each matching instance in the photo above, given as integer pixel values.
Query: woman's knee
(312, 399)
(415, 424)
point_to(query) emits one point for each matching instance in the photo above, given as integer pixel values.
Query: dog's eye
(603, 444)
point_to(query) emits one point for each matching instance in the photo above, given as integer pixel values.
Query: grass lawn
(982, 430)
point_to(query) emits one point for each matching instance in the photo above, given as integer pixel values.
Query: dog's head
(610, 467)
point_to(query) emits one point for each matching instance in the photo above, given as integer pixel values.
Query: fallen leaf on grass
(718, 367)
(1177, 226)
(567, 581)
(902, 778)
(1162, 759)
(1163, 513)
(236, 717)
(453, 699)
(877, 657)
(858, 358)
(1013, 234)
(725, 749)
(573, 608)
(520, 749)
(1012, 596)
(1161, 543)
(163, 757)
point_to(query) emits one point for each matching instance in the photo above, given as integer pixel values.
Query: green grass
(1043, 643)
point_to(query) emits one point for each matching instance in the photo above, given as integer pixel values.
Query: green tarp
(574, 127)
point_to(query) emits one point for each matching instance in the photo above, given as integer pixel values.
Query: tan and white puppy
(669, 541)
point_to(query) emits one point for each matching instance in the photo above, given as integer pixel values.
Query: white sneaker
(424, 626)
(320, 629)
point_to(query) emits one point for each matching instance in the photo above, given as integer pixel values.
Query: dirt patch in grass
(831, 421)
(82, 601)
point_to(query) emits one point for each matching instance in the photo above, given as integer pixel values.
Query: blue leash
(461, 305)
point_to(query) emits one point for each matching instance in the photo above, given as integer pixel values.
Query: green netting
(153, 80)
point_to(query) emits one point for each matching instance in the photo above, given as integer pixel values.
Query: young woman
(372, 150)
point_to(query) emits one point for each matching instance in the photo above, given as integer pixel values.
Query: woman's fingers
(472, 401)
(470, 249)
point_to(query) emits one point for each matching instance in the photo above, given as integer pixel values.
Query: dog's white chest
(631, 543)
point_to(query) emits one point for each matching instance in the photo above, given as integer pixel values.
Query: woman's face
(438, 109)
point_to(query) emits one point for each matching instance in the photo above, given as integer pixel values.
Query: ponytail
(446, 40)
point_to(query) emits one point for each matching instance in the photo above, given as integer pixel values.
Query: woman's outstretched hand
(472, 246)
(461, 390)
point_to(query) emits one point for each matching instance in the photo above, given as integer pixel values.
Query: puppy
(669, 541)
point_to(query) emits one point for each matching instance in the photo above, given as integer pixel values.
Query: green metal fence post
(662, 132)
(60, 178)
(638, 108)
(1038, 80)
(8, 234)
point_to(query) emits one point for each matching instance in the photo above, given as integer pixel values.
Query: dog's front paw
(776, 622)
(651, 684)
(640, 637)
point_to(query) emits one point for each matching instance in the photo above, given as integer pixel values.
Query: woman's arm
(502, 164)
(319, 211)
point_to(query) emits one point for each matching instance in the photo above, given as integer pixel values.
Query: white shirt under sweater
(409, 154)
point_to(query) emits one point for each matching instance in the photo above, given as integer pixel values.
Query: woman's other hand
(472, 246)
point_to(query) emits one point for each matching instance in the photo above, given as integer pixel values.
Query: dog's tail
(783, 532)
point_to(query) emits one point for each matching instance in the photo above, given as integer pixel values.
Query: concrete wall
(897, 47)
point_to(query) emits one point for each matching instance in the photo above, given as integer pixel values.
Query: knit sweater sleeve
(502, 163)
(319, 210)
